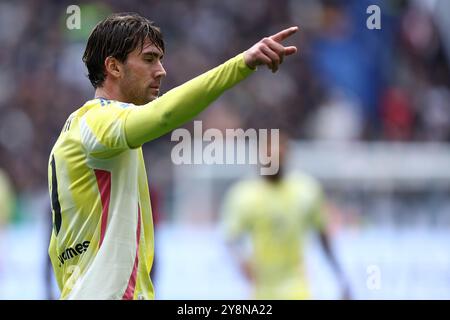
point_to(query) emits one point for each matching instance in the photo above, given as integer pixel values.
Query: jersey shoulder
(306, 185)
(304, 180)
(102, 127)
(246, 189)
(243, 195)
(98, 104)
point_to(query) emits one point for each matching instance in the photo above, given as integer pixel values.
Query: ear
(113, 67)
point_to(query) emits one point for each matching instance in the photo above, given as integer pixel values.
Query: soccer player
(7, 199)
(102, 240)
(266, 222)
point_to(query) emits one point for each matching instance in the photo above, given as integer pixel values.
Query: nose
(160, 72)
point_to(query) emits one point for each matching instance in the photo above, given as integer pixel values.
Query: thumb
(290, 50)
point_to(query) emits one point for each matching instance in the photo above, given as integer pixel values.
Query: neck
(109, 93)
(274, 178)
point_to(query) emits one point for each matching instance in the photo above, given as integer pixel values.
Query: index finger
(280, 36)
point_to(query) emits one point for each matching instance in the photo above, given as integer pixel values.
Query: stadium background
(368, 110)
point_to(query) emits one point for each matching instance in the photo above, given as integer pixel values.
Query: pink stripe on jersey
(129, 293)
(104, 186)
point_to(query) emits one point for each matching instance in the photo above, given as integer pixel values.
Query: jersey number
(55, 200)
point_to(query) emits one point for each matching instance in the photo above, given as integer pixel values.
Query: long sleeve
(150, 121)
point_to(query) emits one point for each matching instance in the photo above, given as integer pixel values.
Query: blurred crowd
(348, 82)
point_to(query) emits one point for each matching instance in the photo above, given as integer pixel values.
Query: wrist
(248, 61)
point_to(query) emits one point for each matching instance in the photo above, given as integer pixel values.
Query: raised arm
(181, 104)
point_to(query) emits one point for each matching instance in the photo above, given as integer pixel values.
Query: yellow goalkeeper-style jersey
(102, 244)
(277, 217)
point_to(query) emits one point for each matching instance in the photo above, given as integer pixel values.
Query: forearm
(182, 103)
(242, 256)
(325, 241)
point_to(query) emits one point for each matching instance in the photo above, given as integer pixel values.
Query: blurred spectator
(397, 115)
(338, 118)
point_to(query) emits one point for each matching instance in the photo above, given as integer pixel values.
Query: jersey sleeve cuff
(243, 68)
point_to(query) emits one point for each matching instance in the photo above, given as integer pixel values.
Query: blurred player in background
(6, 199)
(7, 204)
(266, 223)
(102, 241)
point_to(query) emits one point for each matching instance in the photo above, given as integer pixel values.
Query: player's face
(143, 72)
(277, 151)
